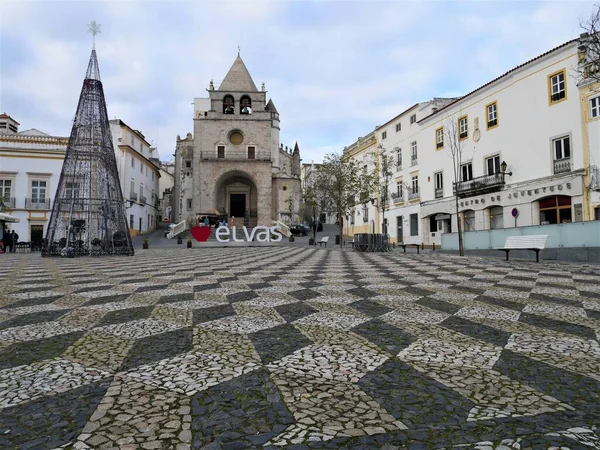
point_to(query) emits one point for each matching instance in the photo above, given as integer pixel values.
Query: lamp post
(503, 168)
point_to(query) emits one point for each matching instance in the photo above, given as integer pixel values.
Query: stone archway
(236, 194)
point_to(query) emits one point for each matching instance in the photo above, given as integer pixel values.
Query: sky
(334, 69)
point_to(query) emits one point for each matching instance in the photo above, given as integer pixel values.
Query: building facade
(30, 167)
(139, 174)
(234, 164)
(520, 150)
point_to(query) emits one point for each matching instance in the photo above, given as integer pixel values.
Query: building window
(152, 176)
(132, 187)
(594, 107)
(141, 168)
(557, 89)
(398, 127)
(5, 190)
(493, 165)
(469, 216)
(132, 161)
(365, 213)
(398, 158)
(384, 135)
(413, 153)
(188, 164)
(562, 154)
(414, 224)
(496, 218)
(492, 115)
(72, 190)
(131, 221)
(439, 184)
(131, 140)
(439, 138)
(251, 152)
(399, 191)
(228, 105)
(466, 172)
(38, 191)
(221, 151)
(189, 204)
(413, 119)
(463, 128)
(415, 184)
(555, 210)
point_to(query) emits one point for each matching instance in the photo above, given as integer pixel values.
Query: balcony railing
(414, 161)
(562, 165)
(439, 193)
(9, 202)
(37, 203)
(479, 185)
(413, 195)
(133, 196)
(397, 199)
(142, 199)
(236, 155)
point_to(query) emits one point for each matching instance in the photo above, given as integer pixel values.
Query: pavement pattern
(288, 347)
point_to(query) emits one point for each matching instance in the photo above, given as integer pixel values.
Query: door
(140, 224)
(237, 204)
(37, 233)
(399, 231)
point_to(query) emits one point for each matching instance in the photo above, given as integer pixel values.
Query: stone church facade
(234, 162)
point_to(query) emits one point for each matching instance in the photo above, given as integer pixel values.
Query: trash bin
(337, 239)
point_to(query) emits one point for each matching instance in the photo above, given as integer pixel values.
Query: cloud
(335, 70)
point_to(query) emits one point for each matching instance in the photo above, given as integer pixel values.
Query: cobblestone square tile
(293, 347)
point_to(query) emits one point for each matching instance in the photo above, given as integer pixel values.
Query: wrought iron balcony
(37, 203)
(133, 196)
(562, 165)
(479, 185)
(142, 199)
(595, 178)
(414, 161)
(9, 202)
(413, 195)
(439, 193)
(397, 199)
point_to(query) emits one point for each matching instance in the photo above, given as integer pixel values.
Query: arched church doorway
(236, 196)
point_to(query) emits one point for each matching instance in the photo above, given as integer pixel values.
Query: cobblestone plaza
(295, 347)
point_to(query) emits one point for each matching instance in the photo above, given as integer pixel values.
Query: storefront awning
(8, 218)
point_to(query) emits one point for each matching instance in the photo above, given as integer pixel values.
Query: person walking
(15, 241)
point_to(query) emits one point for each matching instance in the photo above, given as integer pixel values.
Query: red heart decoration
(201, 234)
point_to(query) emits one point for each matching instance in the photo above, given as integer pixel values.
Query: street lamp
(503, 167)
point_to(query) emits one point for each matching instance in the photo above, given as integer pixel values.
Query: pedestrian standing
(8, 243)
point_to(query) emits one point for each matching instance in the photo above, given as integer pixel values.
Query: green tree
(339, 182)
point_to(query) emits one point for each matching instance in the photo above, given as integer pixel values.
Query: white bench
(534, 243)
(324, 240)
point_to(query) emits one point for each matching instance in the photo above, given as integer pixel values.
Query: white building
(535, 119)
(166, 184)
(30, 166)
(139, 173)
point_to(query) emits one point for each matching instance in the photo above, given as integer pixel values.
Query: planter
(145, 244)
(292, 238)
(189, 243)
(311, 241)
(179, 241)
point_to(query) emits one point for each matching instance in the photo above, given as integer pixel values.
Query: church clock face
(236, 138)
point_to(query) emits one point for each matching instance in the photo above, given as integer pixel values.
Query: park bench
(533, 243)
(409, 245)
(323, 240)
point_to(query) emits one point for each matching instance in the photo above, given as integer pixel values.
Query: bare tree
(588, 68)
(384, 169)
(341, 180)
(454, 146)
(314, 201)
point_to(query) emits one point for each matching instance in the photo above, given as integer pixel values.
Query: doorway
(37, 233)
(237, 204)
(399, 231)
